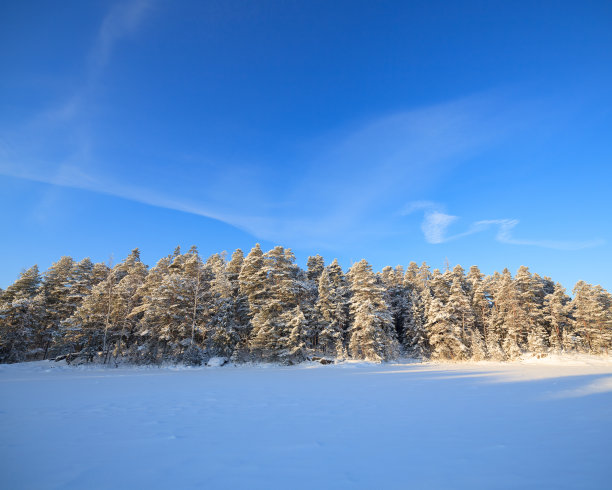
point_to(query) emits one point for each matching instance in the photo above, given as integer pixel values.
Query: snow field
(538, 424)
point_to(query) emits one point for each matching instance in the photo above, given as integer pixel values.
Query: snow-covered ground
(540, 424)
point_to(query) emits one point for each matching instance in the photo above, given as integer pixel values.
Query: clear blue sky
(478, 132)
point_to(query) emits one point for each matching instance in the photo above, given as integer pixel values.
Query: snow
(541, 423)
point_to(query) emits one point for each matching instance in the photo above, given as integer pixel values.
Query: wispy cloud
(436, 222)
(122, 20)
(350, 185)
(348, 182)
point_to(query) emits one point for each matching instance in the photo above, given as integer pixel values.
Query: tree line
(264, 307)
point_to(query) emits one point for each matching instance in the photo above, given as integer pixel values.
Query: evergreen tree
(530, 296)
(333, 308)
(315, 266)
(592, 317)
(20, 314)
(240, 305)
(224, 330)
(252, 280)
(446, 324)
(55, 295)
(396, 297)
(154, 314)
(282, 290)
(414, 335)
(372, 335)
(556, 314)
(132, 273)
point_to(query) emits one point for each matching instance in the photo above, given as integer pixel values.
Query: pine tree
(282, 290)
(224, 330)
(54, 294)
(446, 323)
(293, 346)
(315, 266)
(481, 306)
(397, 297)
(556, 314)
(530, 296)
(154, 314)
(252, 280)
(460, 310)
(133, 274)
(591, 308)
(414, 335)
(333, 308)
(372, 335)
(20, 314)
(240, 306)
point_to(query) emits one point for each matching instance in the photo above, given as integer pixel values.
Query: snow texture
(533, 424)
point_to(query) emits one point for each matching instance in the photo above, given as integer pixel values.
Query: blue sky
(473, 132)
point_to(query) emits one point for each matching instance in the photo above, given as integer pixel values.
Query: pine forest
(263, 307)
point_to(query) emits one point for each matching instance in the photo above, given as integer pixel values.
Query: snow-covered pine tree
(372, 335)
(557, 316)
(240, 306)
(591, 309)
(445, 323)
(459, 308)
(223, 331)
(281, 294)
(314, 268)
(530, 294)
(503, 299)
(252, 280)
(133, 274)
(481, 306)
(397, 297)
(414, 336)
(293, 346)
(308, 300)
(154, 314)
(333, 309)
(439, 285)
(102, 318)
(191, 281)
(20, 313)
(87, 329)
(54, 294)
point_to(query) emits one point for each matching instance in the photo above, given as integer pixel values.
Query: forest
(263, 307)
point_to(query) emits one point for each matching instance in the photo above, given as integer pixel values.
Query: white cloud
(434, 226)
(435, 223)
(122, 20)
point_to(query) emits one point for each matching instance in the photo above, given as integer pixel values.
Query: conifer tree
(556, 314)
(480, 303)
(314, 268)
(414, 335)
(240, 306)
(154, 314)
(396, 297)
(54, 294)
(133, 274)
(20, 314)
(252, 280)
(224, 330)
(333, 308)
(446, 324)
(282, 291)
(592, 320)
(530, 296)
(372, 335)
